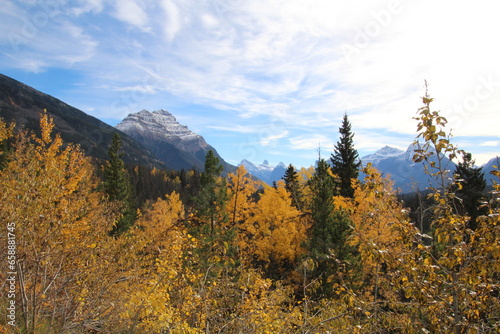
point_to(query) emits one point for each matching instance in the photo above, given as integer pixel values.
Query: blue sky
(267, 79)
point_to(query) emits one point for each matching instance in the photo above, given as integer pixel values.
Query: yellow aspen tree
(6, 132)
(376, 218)
(48, 195)
(162, 297)
(304, 175)
(266, 306)
(451, 277)
(274, 234)
(241, 187)
(375, 210)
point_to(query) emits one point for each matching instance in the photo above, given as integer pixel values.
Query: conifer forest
(104, 247)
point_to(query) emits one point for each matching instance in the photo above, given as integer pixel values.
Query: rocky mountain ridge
(407, 175)
(162, 125)
(170, 141)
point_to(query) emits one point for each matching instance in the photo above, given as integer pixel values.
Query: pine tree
(323, 229)
(330, 227)
(117, 185)
(469, 190)
(293, 187)
(345, 160)
(213, 192)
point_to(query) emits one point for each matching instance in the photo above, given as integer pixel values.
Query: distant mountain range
(264, 171)
(172, 143)
(157, 139)
(409, 176)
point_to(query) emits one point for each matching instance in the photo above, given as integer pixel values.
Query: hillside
(23, 105)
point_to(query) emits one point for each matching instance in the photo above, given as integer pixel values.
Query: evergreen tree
(469, 190)
(293, 187)
(330, 227)
(345, 160)
(213, 192)
(117, 185)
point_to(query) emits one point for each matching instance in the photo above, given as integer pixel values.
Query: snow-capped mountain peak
(266, 166)
(265, 171)
(160, 122)
(171, 142)
(384, 153)
(406, 174)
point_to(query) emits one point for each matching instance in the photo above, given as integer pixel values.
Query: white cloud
(172, 23)
(131, 12)
(136, 88)
(483, 158)
(283, 61)
(311, 142)
(235, 128)
(271, 138)
(490, 143)
(86, 6)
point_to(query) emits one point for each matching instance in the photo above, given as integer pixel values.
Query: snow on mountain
(265, 171)
(488, 168)
(172, 142)
(385, 152)
(160, 121)
(265, 166)
(407, 175)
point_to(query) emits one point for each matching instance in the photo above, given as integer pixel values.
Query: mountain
(171, 142)
(265, 171)
(488, 168)
(22, 104)
(407, 175)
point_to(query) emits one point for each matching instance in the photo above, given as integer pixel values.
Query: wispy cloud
(298, 64)
(270, 139)
(137, 88)
(490, 143)
(311, 142)
(235, 128)
(131, 12)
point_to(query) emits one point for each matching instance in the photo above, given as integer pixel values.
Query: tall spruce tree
(213, 191)
(118, 187)
(330, 227)
(469, 189)
(292, 185)
(345, 160)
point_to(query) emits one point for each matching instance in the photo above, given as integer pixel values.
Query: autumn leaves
(239, 258)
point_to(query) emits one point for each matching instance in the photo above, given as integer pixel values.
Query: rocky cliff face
(171, 142)
(162, 126)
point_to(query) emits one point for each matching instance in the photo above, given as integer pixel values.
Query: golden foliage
(374, 214)
(274, 232)
(48, 194)
(6, 131)
(241, 188)
(73, 277)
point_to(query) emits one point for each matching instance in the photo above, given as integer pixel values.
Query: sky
(268, 79)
